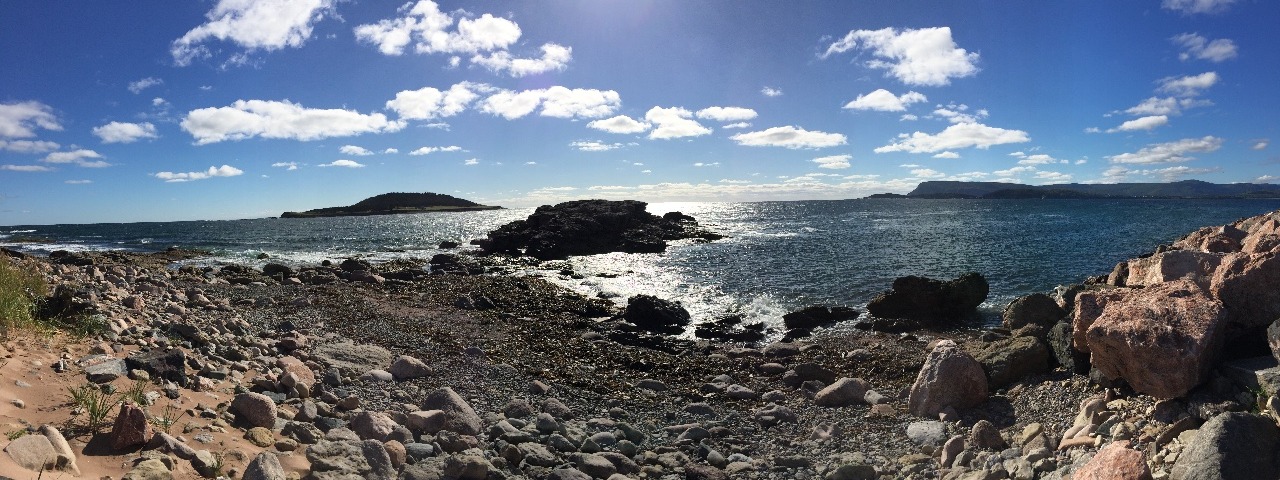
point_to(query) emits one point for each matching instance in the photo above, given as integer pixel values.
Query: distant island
(1193, 189)
(395, 203)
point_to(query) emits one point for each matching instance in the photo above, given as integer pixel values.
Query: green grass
(95, 403)
(21, 291)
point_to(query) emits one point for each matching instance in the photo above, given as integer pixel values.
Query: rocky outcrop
(588, 227)
(1162, 340)
(931, 301)
(654, 314)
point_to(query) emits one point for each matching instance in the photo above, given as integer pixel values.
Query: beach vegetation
(21, 292)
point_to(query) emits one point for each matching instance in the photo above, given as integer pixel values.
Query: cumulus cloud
(253, 25)
(956, 136)
(120, 132)
(926, 56)
(429, 103)
(223, 171)
(21, 119)
(1189, 7)
(1145, 123)
(1170, 174)
(619, 124)
(834, 162)
(28, 146)
(737, 125)
(1037, 159)
(885, 101)
(354, 150)
(948, 155)
(286, 120)
(554, 57)
(25, 168)
(486, 38)
(471, 161)
(140, 85)
(1195, 46)
(1188, 86)
(1261, 144)
(1165, 106)
(1170, 152)
(674, 122)
(391, 150)
(726, 114)
(594, 146)
(430, 150)
(771, 92)
(343, 163)
(557, 101)
(789, 137)
(79, 157)
(290, 166)
(959, 113)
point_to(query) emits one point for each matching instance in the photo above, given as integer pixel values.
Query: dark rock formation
(654, 314)
(395, 203)
(811, 317)
(587, 227)
(931, 301)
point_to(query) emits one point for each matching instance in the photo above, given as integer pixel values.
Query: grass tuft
(21, 291)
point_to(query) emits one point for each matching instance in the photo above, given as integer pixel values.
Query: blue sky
(159, 110)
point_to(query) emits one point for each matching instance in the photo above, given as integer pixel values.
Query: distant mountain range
(1182, 189)
(395, 203)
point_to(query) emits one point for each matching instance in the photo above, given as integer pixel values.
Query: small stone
(928, 432)
(131, 427)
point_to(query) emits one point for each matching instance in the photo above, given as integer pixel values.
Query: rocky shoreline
(447, 369)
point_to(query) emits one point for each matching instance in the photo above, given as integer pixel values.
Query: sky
(153, 110)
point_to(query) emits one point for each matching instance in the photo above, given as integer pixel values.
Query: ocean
(778, 257)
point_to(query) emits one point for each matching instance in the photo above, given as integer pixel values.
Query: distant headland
(395, 203)
(1191, 189)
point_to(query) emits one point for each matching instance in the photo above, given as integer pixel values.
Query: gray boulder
(459, 417)
(1231, 445)
(1035, 309)
(1009, 359)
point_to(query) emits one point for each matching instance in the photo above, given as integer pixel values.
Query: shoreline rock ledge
(588, 227)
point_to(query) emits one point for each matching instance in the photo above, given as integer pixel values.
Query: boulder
(1009, 359)
(459, 417)
(372, 425)
(931, 301)
(301, 372)
(351, 356)
(812, 317)
(1035, 309)
(1249, 287)
(131, 427)
(1273, 338)
(949, 378)
(1115, 462)
(406, 368)
(347, 458)
(844, 392)
(655, 314)
(276, 269)
(170, 364)
(106, 371)
(1231, 445)
(1171, 265)
(265, 466)
(1162, 340)
(32, 452)
(254, 409)
(1089, 306)
(1059, 342)
(588, 227)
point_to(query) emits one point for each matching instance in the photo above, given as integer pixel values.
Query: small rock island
(395, 203)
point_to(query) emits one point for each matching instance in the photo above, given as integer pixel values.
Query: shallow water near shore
(779, 256)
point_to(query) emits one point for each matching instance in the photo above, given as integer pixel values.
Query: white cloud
(429, 103)
(789, 137)
(1165, 106)
(391, 150)
(119, 132)
(25, 168)
(956, 136)
(927, 173)
(1266, 179)
(619, 124)
(159, 102)
(947, 155)
(253, 25)
(594, 146)
(343, 163)
(1170, 152)
(1261, 144)
(908, 118)
(286, 165)
(726, 114)
(701, 164)
(1092, 130)
(1187, 86)
(1198, 47)
(223, 171)
(554, 57)
(1145, 123)
(557, 101)
(28, 146)
(140, 85)
(1170, 174)
(885, 101)
(78, 182)
(471, 161)
(674, 122)
(957, 113)
(926, 56)
(424, 25)
(737, 125)
(272, 119)
(1188, 7)
(354, 150)
(430, 150)
(1037, 159)
(21, 119)
(834, 162)
(1053, 177)
(79, 157)
(1081, 161)
(771, 92)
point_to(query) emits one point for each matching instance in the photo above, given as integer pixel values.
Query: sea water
(778, 256)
